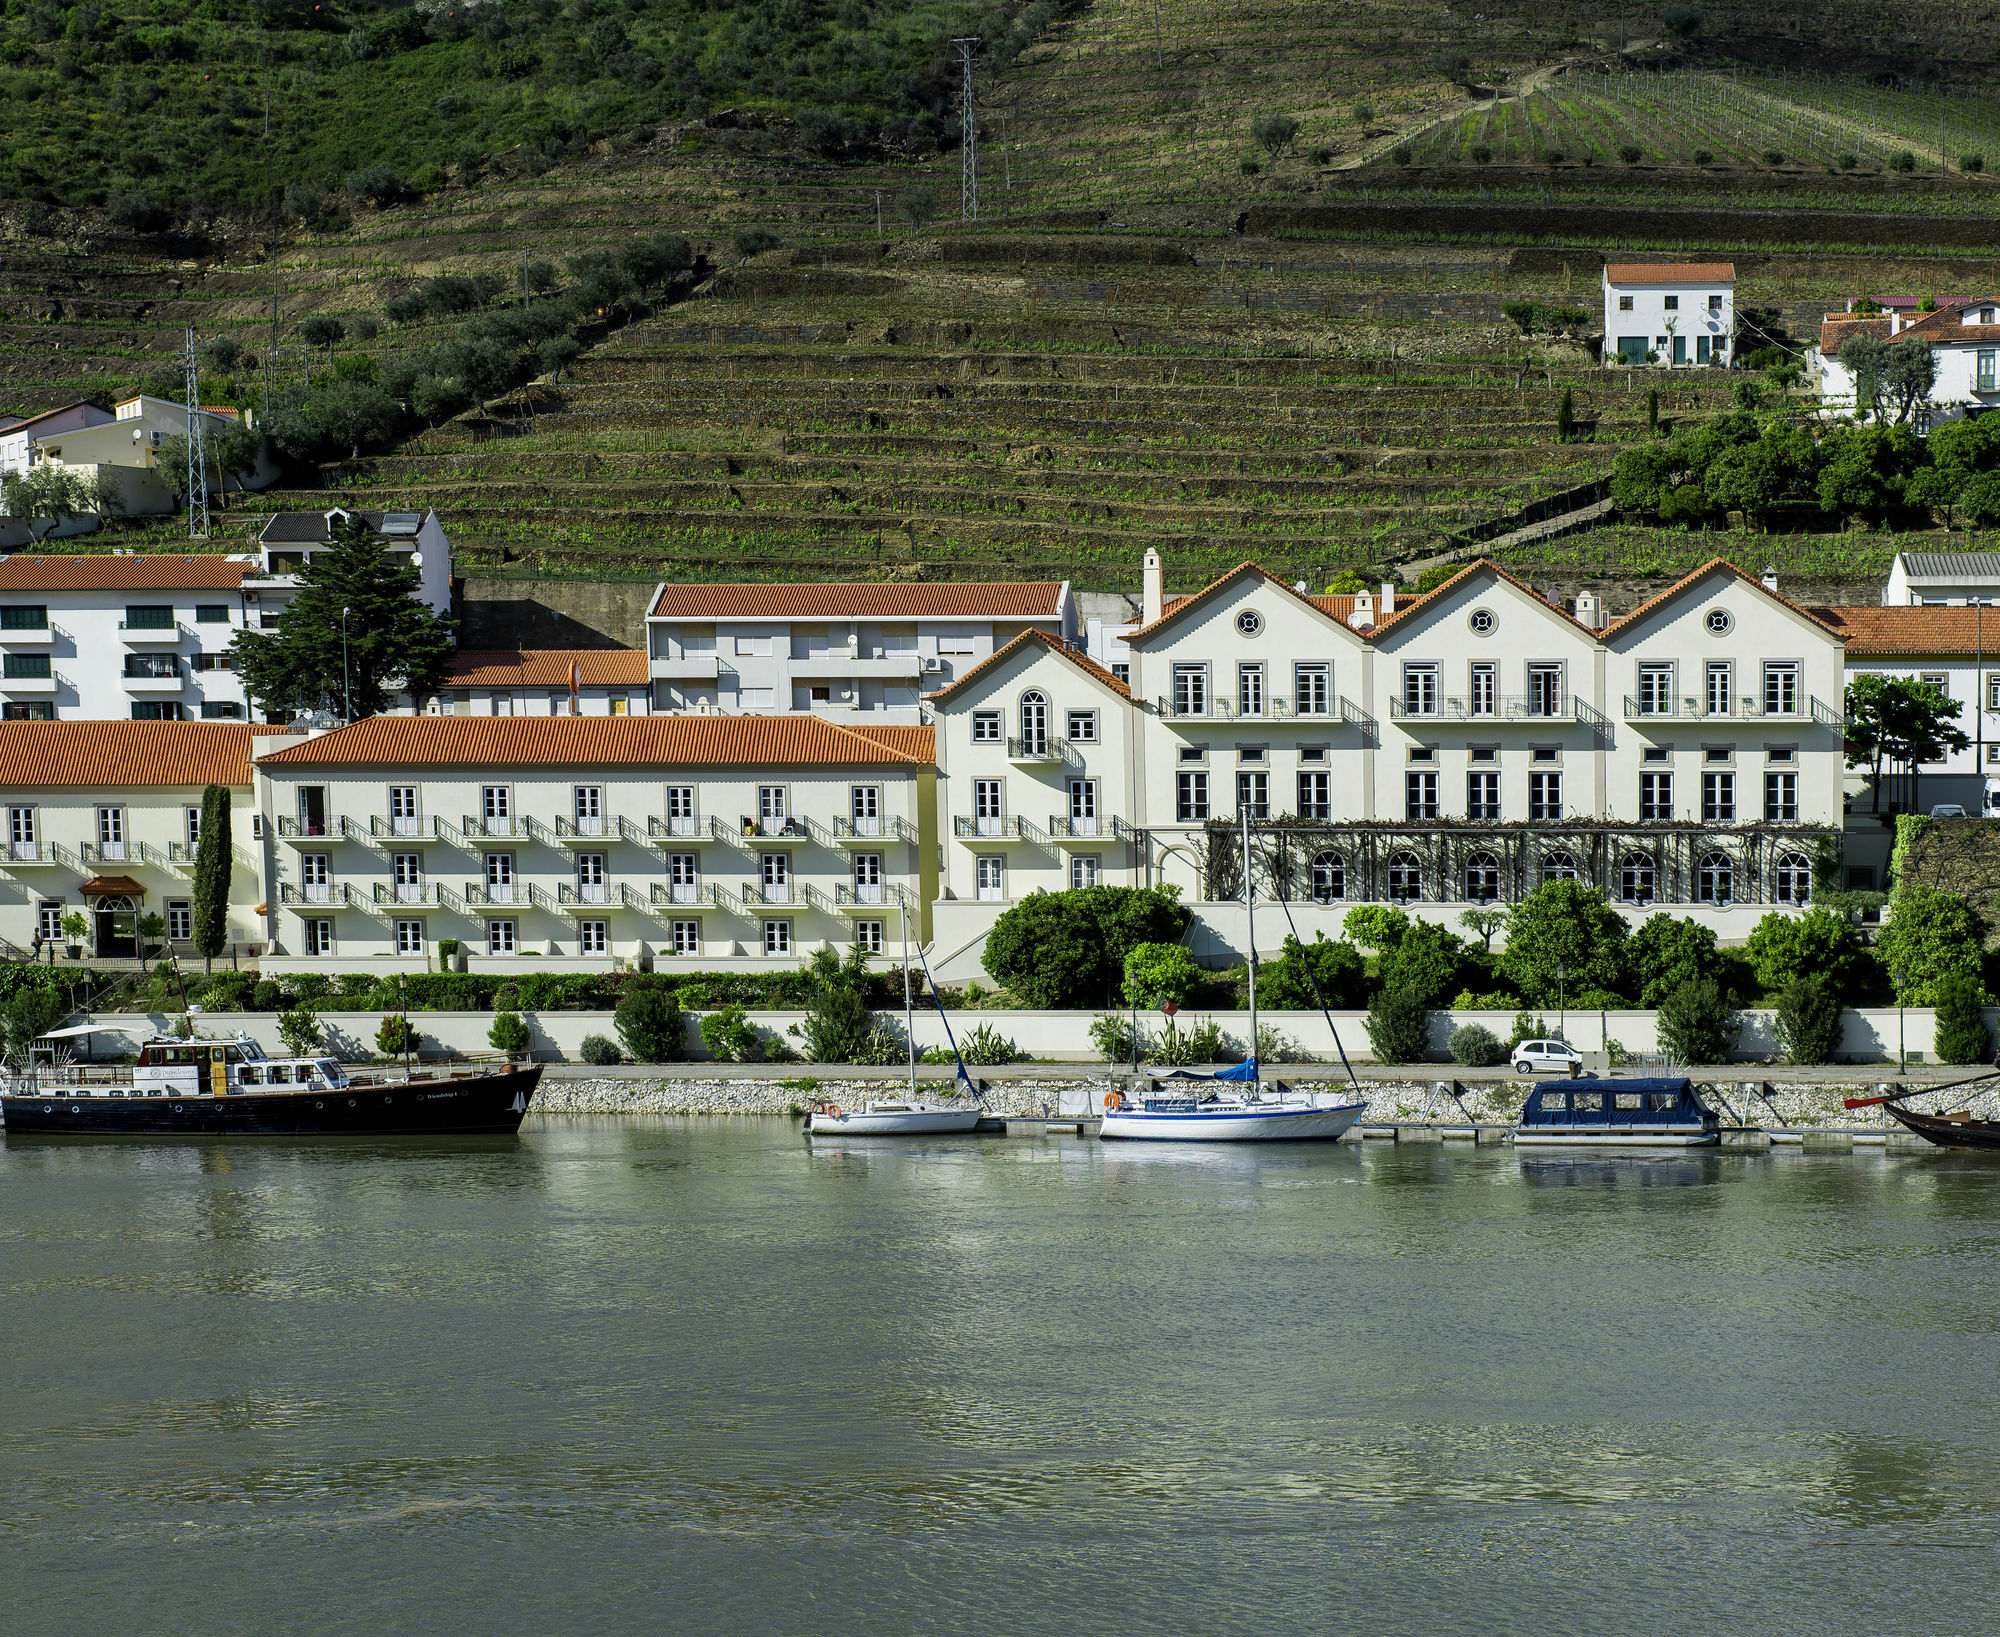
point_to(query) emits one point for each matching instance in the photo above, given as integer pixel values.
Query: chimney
(1362, 615)
(1154, 594)
(1589, 611)
(1388, 598)
(1771, 580)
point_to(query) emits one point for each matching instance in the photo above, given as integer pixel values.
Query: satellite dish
(416, 559)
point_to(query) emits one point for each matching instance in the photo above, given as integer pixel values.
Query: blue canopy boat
(1625, 1113)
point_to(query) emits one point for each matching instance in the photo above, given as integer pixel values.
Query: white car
(1546, 1057)
(1947, 809)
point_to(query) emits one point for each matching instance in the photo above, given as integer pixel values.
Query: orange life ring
(1113, 1099)
(833, 1112)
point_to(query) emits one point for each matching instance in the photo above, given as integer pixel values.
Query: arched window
(1034, 724)
(1794, 885)
(1329, 878)
(1559, 865)
(1715, 879)
(1482, 878)
(1635, 878)
(1406, 878)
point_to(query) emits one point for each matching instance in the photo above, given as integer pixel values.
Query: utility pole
(271, 352)
(1159, 51)
(197, 453)
(968, 137)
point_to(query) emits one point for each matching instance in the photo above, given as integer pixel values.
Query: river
(696, 1376)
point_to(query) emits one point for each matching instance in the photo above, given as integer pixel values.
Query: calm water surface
(701, 1377)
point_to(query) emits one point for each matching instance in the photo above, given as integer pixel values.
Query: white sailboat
(907, 1116)
(1214, 1109)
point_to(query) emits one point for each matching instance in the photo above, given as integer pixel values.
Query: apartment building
(583, 842)
(841, 651)
(102, 821)
(1460, 749)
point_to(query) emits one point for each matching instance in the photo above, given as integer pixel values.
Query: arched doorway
(1482, 878)
(1406, 878)
(117, 923)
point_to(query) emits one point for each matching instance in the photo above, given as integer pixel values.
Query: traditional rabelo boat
(1961, 1128)
(232, 1088)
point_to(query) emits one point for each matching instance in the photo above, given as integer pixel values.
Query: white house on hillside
(1669, 313)
(131, 447)
(1964, 337)
(1948, 579)
(287, 543)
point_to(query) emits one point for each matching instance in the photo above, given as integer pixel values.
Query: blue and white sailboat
(1230, 1106)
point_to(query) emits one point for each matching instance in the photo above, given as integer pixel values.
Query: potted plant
(447, 950)
(152, 928)
(75, 928)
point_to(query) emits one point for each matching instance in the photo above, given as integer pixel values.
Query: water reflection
(1619, 1170)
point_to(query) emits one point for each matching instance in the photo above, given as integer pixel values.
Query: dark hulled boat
(232, 1089)
(1959, 1130)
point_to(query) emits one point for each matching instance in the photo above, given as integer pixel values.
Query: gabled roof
(33, 420)
(125, 755)
(1489, 566)
(1683, 272)
(999, 599)
(1951, 565)
(1055, 645)
(1884, 631)
(604, 741)
(101, 571)
(547, 667)
(310, 528)
(1173, 610)
(1713, 565)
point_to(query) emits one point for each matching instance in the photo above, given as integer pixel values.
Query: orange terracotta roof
(1054, 645)
(1001, 599)
(1706, 568)
(1671, 272)
(1836, 328)
(1871, 630)
(109, 885)
(1404, 610)
(547, 667)
(625, 741)
(101, 571)
(118, 755)
(1173, 608)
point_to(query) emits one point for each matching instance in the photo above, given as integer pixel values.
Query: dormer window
(1986, 315)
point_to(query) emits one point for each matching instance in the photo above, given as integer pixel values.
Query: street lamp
(1902, 1056)
(346, 676)
(1562, 1006)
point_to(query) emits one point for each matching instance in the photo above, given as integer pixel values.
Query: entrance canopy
(113, 886)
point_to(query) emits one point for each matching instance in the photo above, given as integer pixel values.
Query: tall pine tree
(214, 862)
(394, 643)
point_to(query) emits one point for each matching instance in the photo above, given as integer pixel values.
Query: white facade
(131, 447)
(541, 682)
(1461, 750)
(1964, 337)
(1673, 316)
(593, 842)
(863, 652)
(1942, 579)
(289, 540)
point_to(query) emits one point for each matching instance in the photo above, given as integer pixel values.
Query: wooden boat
(212, 1088)
(1618, 1113)
(1955, 1130)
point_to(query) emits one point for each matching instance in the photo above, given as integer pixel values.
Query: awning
(77, 1030)
(108, 885)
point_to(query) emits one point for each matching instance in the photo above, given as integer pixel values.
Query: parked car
(1947, 809)
(1546, 1057)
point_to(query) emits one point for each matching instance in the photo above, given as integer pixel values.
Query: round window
(1481, 620)
(1249, 622)
(1719, 622)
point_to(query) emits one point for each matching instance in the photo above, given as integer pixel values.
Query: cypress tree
(214, 862)
(1653, 411)
(1566, 418)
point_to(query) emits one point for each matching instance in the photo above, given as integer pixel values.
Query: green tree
(1424, 962)
(47, 496)
(1474, 1046)
(1960, 1028)
(1899, 719)
(1566, 418)
(509, 1033)
(1757, 477)
(299, 1030)
(1666, 952)
(1060, 949)
(1157, 972)
(1398, 1027)
(323, 330)
(1785, 948)
(393, 641)
(395, 1036)
(1286, 984)
(649, 1023)
(1889, 376)
(1865, 470)
(1566, 924)
(214, 865)
(1376, 926)
(1961, 452)
(1930, 936)
(1274, 132)
(29, 1013)
(1808, 1020)
(1696, 1023)
(557, 354)
(838, 1024)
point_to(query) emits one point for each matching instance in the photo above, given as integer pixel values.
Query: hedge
(789, 990)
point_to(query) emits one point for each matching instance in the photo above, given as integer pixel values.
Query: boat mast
(909, 1024)
(1250, 964)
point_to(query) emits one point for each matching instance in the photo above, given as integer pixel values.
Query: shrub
(1566, 418)
(1401, 153)
(838, 1024)
(266, 996)
(649, 1022)
(1481, 154)
(1785, 948)
(986, 1044)
(509, 1033)
(1474, 1046)
(1425, 961)
(447, 949)
(1931, 936)
(1971, 163)
(1667, 951)
(1701, 156)
(1960, 1035)
(1696, 1024)
(507, 997)
(309, 986)
(299, 1030)
(1773, 156)
(754, 240)
(1114, 1038)
(600, 1050)
(1847, 161)
(1631, 152)
(395, 1037)
(728, 1036)
(1526, 1027)
(1286, 984)
(1553, 156)
(378, 184)
(138, 212)
(1064, 949)
(1398, 1026)
(1902, 160)
(916, 206)
(1177, 1048)
(1274, 1047)
(1808, 1021)
(1250, 167)
(1320, 156)
(1157, 972)
(1274, 131)
(1466, 1001)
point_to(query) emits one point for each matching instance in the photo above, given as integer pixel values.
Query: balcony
(33, 687)
(42, 636)
(319, 895)
(1068, 831)
(30, 852)
(154, 687)
(772, 895)
(681, 894)
(401, 827)
(674, 830)
(309, 831)
(872, 832)
(152, 636)
(108, 852)
(587, 832)
(1500, 708)
(503, 827)
(591, 897)
(1033, 752)
(875, 667)
(986, 831)
(408, 894)
(1692, 708)
(506, 895)
(871, 898)
(774, 829)
(688, 668)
